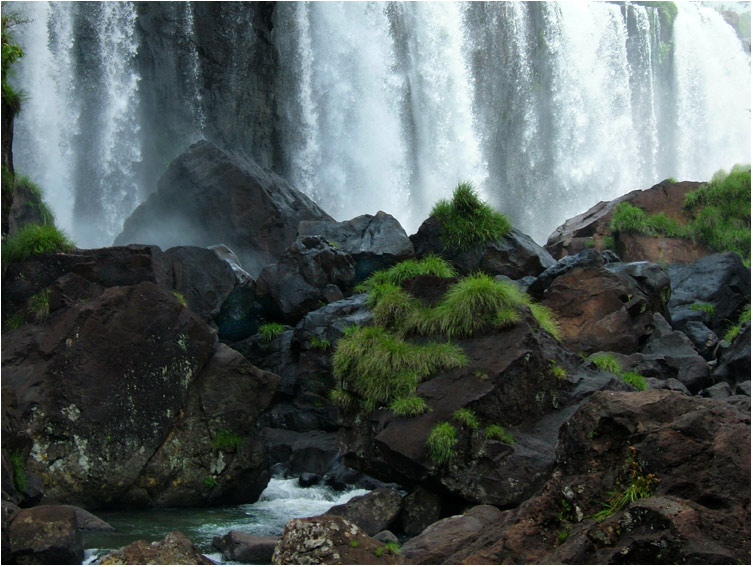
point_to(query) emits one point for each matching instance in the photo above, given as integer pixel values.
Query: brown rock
(175, 549)
(330, 540)
(46, 535)
(372, 512)
(246, 548)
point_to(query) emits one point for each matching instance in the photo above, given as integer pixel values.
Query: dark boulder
(202, 278)
(208, 195)
(374, 242)
(174, 549)
(301, 452)
(734, 360)
(719, 280)
(330, 540)
(514, 255)
(372, 512)
(226, 254)
(420, 509)
(245, 548)
(296, 284)
(586, 258)
(46, 535)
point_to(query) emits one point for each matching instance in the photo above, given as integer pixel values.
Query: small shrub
(500, 434)
(467, 221)
(429, 265)
(378, 365)
(734, 330)
(441, 442)
(629, 218)
(35, 239)
(409, 406)
(179, 296)
(557, 371)
(269, 331)
(563, 535)
(39, 306)
(391, 305)
(321, 344)
(607, 243)
(379, 551)
(639, 485)
(467, 417)
(606, 362)
(392, 547)
(590, 243)
(635, 380)
(225, 440)
(18, 467)
(210, 481)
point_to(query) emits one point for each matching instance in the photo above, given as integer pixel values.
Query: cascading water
(546, 107)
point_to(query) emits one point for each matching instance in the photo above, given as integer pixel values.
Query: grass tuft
(429, 265)
(606, 362)
(225, 440)
(467, 417)
(635, 380)
(441, 442)
(734, 330)
(39, 306)
(35, 239)
(500, 434)
(179, 296)
(705, 307)
(409, 406)
(467, 221)
(269, 331)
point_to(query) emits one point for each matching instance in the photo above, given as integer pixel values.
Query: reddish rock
(175, 549)
(590, 228)
(246, 548)
(46, 535)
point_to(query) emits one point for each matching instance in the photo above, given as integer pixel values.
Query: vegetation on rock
(607, 362)
(409, 406)
(734, 330)
(638, 485)
(467, 417)
(225, 440)
(430, 265)
(720, 215)
(500, 434)
(35, 239)
(179, 296)
(467, 221)
(269, 331)
(441, 442)
(11, 52)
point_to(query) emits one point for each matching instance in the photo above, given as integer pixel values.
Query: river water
(281, 501)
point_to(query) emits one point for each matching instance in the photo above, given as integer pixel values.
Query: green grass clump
(379, 366)
(179, 296)
(607, 243)
(35, 239)
(441, 442)
(391, 305)
(409, 406)
(557, 371)
(629, 218)
(225, 440)
(11, 52)
(467, 417)
(210, 481)
(635, 380)
(429, 265)
(546, 319)
(638, 485)
(606, 362)
(500, 434)
(269, 331)
(392, 547)
(37, 200)
(17, 320)
(343, 399)
(467, 221)
(321, 344)
(705, 307)
(39, 305)
(734, 330)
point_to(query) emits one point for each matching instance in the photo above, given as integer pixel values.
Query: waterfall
(547, 107)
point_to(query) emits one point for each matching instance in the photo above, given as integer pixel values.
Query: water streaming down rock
(547, 107)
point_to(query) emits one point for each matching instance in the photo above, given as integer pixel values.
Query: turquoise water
(282, 500)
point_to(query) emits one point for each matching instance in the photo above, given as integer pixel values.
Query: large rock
(699, 511)
(734, 361)
(175, 549)
(373, 512)
(720, 280)
(301, 452)
(208, 196)
(374, 241)
(421, 508)
(330, 540)
(202, 277)
(590, 228)
(298, 283)
(514, 255)
(46, 535)
(607, 307)
(246, 548)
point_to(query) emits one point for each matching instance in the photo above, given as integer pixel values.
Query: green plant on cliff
(500, 434)
(179, 296)
(441, 442)
(608, 362)
(638, 485)
(269, 331)
(35, 239)
(467, 221)
(629, 218)
(409, 406)
(467, 417)
(11, 52)
(734, 330)
(705, 307)
(225, 440)
(429, 265)
(39, 306)
(378, 365)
